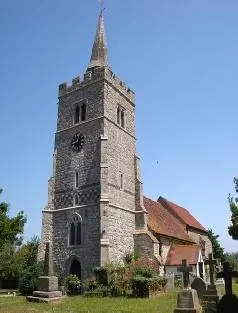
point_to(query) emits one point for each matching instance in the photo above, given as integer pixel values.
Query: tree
(218, 251)
(233, 203)
(11, 228)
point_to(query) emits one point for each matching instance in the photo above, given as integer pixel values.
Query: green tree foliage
(11, 228)
(29, 278)
(233, 203)
(232, 258)
(218, 251)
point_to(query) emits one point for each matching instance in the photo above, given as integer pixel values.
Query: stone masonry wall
(196, 235)
(88, 253)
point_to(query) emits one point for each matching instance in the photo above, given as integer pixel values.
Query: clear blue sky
(180, 57)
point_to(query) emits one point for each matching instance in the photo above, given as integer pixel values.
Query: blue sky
(180, 57)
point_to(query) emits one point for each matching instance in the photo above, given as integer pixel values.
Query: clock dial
(77, 142)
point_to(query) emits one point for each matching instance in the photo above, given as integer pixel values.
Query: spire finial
(101, 2)
(99, 50)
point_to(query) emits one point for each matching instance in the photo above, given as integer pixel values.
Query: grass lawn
(162, 304)
(165, 303)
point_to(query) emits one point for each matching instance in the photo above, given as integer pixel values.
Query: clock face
(77, 142)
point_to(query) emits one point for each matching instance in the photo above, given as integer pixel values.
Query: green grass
(162, 304)
(165, 303)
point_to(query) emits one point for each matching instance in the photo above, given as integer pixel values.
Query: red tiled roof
(182, 213)
(179, 252)
(161, 221)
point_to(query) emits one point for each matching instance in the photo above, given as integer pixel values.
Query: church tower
(95, 204)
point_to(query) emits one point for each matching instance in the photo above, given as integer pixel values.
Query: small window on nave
(75, 230)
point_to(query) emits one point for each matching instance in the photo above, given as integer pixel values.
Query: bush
(143, 286)
(73, 285)
(29, 279)
(101, 274)
(90, 284)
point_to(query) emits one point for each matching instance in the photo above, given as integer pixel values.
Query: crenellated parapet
(94, 75)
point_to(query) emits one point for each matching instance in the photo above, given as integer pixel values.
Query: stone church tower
(95, 204)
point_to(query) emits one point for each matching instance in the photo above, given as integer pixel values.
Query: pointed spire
(99, 50)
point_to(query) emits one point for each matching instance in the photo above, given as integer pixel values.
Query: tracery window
(75, 230)
(80, 112)
(121, 116)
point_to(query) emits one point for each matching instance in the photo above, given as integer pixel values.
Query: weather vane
(101, 2)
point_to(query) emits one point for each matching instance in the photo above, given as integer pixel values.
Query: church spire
(99, 50)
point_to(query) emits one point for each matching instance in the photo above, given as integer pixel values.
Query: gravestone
(200, 286)
(229, 302)
(187, 300)
(48, 290)
(170, 280)
(211, 295)
(227, 274)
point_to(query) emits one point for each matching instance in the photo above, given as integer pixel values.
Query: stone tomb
(48, 290)
(200, 286)
(187, 300)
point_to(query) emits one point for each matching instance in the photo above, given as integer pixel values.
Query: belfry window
(80, 112)
(83, 112)
(121, 116)
(122, 119)
(76, 115)
(118, 115)
(75, 230)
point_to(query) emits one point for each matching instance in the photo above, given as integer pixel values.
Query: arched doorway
(75, 268)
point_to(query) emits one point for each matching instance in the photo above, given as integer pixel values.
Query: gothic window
(122, 119)
(80, 112)
(121, 116)
(75, 230)
(83, 112)
(77, 115)
(76, 179)
(118, 115)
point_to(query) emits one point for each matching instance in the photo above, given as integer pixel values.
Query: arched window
(118, 115)
(77, 115)
(122, 119)
(83, 112)
(75, 230)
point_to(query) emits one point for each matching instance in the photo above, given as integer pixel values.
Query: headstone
(200, 286)
(227, 274)
(48, 290)
(187, 300)
(170, 280)
(212, 267)
(185, 269)
(211, 295)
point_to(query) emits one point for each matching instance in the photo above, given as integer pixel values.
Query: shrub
(90, 284)
(140, 286)
(143, 286)
(29, 279)
(101, 274)
(73, 285)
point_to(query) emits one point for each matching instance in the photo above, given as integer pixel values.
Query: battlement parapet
(93, 75)
(119, 84)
